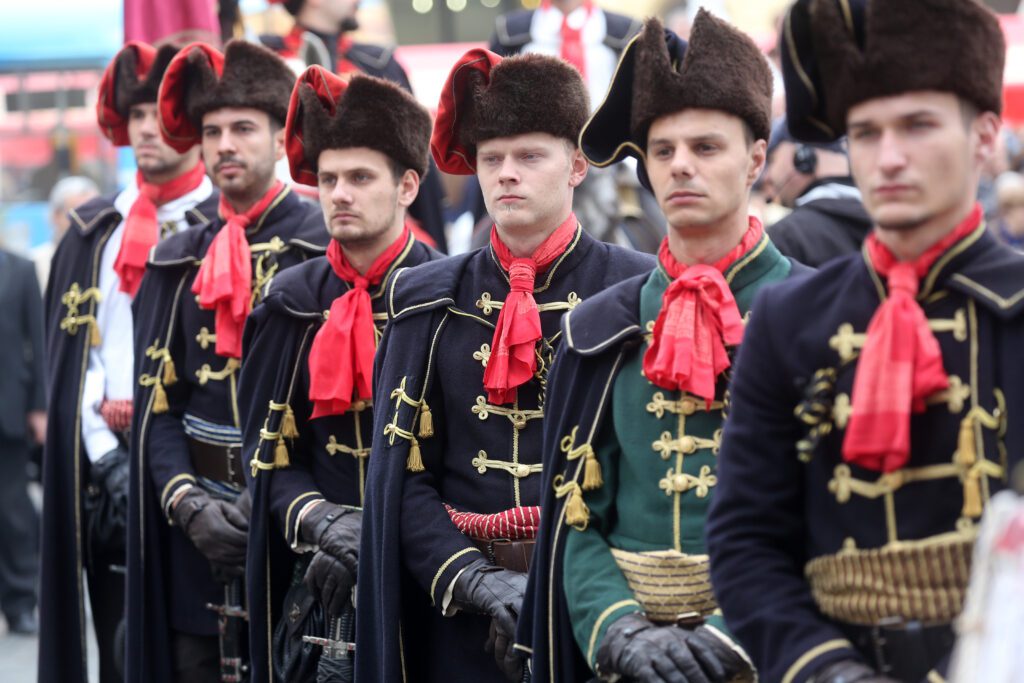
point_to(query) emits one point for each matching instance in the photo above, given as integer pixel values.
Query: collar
(607, 319)
(174, 210)
(577, 250)
(829, 188)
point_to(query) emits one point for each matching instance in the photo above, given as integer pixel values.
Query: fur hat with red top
(132, 77)
(201, 79)
(328, 112)
(487, 97)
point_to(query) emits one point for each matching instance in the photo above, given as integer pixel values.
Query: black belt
(220, 463)
(514, 555)
(905, 650)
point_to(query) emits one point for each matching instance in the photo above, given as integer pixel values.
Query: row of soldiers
(341, 455)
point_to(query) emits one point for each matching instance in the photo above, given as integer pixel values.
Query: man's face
(340, 10)
(915, 157)
(240, 148)
(528, 180)
(701, 167)
(782, 182)
(152, 155)
(360, 197)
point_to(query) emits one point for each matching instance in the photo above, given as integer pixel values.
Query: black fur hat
(327, 113)
(839, 53)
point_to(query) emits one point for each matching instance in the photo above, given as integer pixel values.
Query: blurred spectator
(827, 218)
(1009, 225)
(66, 194)
(22, 422)
(1007, 148)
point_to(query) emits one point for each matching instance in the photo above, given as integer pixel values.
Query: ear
(986, 130)
(578, 166)
(279, 144)
(408, 188)
(758, 155)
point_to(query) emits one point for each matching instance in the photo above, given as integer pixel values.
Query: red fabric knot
(697, 320)
(141, 228)
(341, 356)
(513, 359)
(224, 280)
(900, 365)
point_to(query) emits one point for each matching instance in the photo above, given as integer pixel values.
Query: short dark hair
(293, 6)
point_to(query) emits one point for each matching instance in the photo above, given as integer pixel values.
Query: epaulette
(94, 212)
(425, 287)
(993, 278)
(295, 291)
(606, 319)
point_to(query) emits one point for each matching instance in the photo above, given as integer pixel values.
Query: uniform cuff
(449, 570)
(812, 661)
(609, 616)
(170, 492)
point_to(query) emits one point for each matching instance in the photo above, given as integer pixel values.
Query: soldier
(874, 417)
(187, 523)
(638, 391)
(95, 274)
(306, 383)
(322, 35)
(453, 483)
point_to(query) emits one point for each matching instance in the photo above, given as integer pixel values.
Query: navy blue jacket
(784, 494)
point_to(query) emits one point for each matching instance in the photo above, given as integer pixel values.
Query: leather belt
(514, 555)
(905, 650)
(220, 463)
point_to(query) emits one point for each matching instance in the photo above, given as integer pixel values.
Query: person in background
(1009, 226)
(66, 194)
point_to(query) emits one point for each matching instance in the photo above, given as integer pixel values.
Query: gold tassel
(966, 454)
(159, 398)
(94, 333)
(972, 495)
(281, 454)
(576, 512)
(592, 472)
(415, 462)
(426, 421)
(288, 428)
(170, 373)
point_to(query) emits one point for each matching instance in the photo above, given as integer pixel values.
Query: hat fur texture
(722, 69)
(371, 113)
(527, 93)
(129, 89)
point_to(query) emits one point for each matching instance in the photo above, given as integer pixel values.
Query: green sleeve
(595, 589)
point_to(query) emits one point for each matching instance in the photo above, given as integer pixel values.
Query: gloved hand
(332, 573)
(217, 528)
(110, 473)
(850, 671)
(485, 589)
(642, 651)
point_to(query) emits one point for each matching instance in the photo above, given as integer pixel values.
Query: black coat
(75, 268)
(821, 230)
(169, 582)
(21, 345)
(781, 499)
(512, 32)
(278, 337)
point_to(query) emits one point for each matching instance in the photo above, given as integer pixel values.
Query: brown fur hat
(839, 53)
(527, 93)
(325, 113)
(722, 69)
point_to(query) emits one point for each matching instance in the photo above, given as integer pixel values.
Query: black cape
(278, 336)
(169, 275)
(62, 651)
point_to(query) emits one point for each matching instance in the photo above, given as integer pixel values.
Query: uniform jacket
(477, 457)
(70, 313)
(822, 229)
(785, 496)
(512, 32)
(169, 581)
(327, 460)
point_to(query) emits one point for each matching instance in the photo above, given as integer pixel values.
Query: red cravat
(572, 49)
(901, 362)
(513, 360)
(224, 280)
(697, 320)
(341, 357)
(141, 231)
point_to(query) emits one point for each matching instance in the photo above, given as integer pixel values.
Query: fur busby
(200, 79)
(839, 53)
(327, 113)
(487, 97)
(132, 77)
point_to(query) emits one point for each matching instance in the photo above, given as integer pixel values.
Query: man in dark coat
(22, 423)
(187, 520)
(827, 218)
(322, 35)
(306, 382)
(453, 484)
(95, 273)
(620, 584)
(874, 417)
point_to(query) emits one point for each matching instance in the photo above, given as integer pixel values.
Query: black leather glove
(332, 572)
(850, 671)
(485, 589)
(110, 473)
(217, 528)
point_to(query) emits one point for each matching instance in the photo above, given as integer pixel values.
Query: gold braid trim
(577, 514)
(592, 478)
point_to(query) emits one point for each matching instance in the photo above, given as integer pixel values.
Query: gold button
(689, 406)
(522, 470)
(518, 420)
(687, 444)
(679, 483)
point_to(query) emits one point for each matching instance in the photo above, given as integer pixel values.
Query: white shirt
(111, 364)
(600, 60)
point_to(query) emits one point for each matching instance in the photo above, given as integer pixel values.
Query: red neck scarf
(572, 49)
(513, 360)
(698, 318)
(224, 280)
(341, 357)
(141, 231)
(901, 362)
